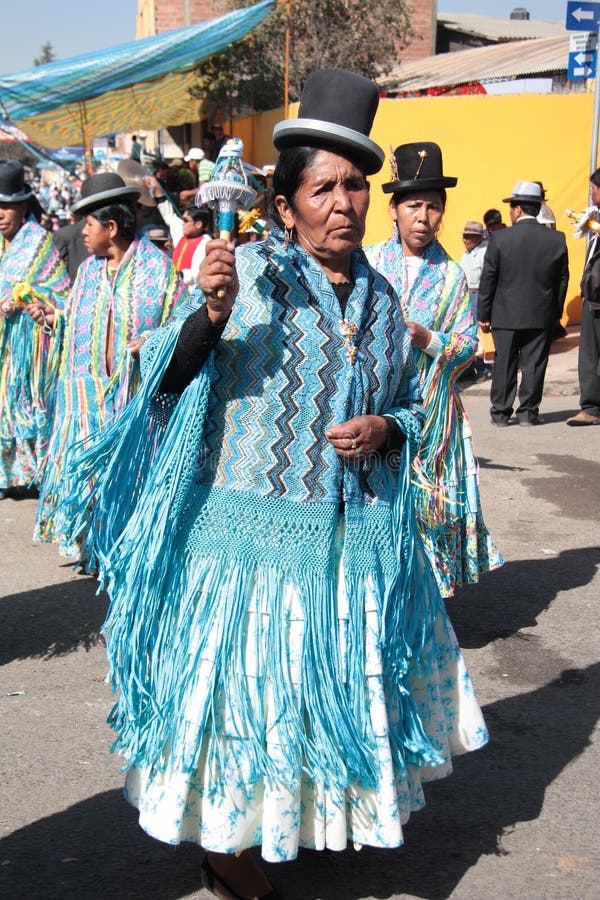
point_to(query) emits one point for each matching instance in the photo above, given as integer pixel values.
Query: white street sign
(583, 41)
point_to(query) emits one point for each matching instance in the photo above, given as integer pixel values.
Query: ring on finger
(353, 444)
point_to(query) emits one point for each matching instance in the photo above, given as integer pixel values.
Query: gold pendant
(349, 330)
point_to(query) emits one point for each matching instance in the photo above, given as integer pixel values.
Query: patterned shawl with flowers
(448, 505)
(98, 375)
(30, 269)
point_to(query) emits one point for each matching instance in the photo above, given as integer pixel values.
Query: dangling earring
(396, 233)
(288, 235)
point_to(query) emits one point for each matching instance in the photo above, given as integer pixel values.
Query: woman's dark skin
(418, 216)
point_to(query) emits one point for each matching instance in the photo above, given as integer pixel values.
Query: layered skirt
(275, 704)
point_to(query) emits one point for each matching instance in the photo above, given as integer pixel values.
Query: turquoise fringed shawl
(187, 547)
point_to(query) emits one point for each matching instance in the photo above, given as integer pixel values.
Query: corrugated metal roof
(500, 29)
(513, 59)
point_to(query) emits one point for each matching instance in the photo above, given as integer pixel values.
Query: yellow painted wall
(489, 143)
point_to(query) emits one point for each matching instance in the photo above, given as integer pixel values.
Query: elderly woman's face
(418, 217)
(12, 216)
(330, 207)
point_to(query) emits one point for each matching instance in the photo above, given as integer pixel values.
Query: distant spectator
(521, 295)
(220, 139)
(160, 238)
(201, 168)
(179, 179)
(492, 219)
(199, 164)
(472, 264)
(161, 168)
(545, 216)
(136, 148)
(208, 145)
(189, 234)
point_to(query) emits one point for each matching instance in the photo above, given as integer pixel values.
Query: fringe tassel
(411, 605)
(439, 441)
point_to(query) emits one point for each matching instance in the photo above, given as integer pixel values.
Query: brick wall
(423, 20)
(169, 14)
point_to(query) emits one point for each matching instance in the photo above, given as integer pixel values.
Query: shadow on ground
(51, 621)
(95, 850)
(512, 597)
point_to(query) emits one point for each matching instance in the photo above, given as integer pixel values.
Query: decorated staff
(228, 189)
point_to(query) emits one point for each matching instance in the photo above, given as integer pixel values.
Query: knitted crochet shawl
(238, 476)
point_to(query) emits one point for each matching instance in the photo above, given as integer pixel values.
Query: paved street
(516, 820)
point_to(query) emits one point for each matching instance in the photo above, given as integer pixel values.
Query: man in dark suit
(521, 295)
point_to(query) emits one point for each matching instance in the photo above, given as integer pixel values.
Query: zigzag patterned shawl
(28, 357)
(240, 501)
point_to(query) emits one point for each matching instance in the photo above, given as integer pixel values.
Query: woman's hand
(41, 314)
(358, 436)
(135, 346)
(218, 280)
(419, 336)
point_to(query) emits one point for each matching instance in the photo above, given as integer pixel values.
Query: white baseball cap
(194, 153)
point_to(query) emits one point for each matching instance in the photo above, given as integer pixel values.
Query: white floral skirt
(220, 806)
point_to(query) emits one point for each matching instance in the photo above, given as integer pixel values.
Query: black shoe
(219, 887)
(499, 423)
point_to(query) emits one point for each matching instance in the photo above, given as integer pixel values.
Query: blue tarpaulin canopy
(139, 85)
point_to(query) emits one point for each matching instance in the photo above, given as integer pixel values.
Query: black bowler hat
(102, 190)
(336, 112)
(417, 167)
(12, 182)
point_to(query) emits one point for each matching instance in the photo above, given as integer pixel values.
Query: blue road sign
(582, 16)
(582, 65)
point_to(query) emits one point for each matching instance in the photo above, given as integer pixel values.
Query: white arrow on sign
(581, 14)
(583, 58)
(583, 72)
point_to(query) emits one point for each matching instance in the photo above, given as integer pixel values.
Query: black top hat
(102, 190)
(417, 167)
(12, 182)
(336, 112)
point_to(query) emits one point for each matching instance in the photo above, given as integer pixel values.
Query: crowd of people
(260, 448)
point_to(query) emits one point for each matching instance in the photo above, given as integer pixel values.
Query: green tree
(47, 55)
(323, 33)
